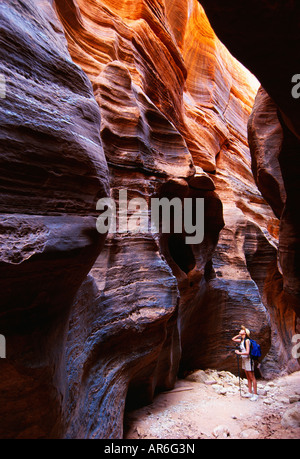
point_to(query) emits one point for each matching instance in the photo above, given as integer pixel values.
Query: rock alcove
(143, 96)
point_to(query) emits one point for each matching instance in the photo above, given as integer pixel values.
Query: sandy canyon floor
(210, 405)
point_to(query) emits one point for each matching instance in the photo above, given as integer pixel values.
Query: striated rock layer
(52, 170)
(273, 128)
(143, 98)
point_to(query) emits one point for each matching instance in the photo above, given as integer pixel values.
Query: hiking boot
(254, 398)
(248, 395)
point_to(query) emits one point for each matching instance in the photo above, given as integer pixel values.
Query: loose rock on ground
(211, 404)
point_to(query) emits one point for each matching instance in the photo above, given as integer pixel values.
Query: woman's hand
(237, 338)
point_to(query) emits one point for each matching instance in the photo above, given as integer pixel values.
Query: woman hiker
(248, 366)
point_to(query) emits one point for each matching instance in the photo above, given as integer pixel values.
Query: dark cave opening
(181, 252)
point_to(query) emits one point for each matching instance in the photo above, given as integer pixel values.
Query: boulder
(291, 417)
(221, 432)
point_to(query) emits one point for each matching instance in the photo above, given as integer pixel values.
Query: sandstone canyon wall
(103, 96)
(273, 130)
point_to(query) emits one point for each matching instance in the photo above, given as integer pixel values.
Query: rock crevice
(103, 97)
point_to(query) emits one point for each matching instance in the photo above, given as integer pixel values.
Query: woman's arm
(247, 346)
(237, 339)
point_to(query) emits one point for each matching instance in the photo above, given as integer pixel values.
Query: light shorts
(246, 364)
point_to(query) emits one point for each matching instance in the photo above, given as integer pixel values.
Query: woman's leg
(253, 381)
(249, 379)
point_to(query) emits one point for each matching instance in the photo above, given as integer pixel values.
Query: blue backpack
(255, 351)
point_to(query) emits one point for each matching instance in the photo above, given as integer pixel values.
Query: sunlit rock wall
(169, 101)
(141, 97)
(273, 134)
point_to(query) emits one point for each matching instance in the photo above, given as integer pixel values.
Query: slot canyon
(164, 99)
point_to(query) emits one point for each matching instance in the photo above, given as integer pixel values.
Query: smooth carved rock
(265, 140)
(202, 181)
(268, 54)
(134, 127)
(121, 333)
(267, 145)
(52, 170)
(54, 121)
(96, 325)
(273, 55)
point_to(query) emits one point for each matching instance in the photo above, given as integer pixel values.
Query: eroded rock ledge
(140, 96)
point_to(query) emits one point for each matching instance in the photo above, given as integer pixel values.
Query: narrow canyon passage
(112, 107)
(209, 405)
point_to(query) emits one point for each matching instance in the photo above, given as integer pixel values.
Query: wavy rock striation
(139, 98)
(273, 130)
(52, 169)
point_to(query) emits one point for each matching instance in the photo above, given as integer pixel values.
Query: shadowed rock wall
(52, 169)
(143, 97)
(273, 131)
